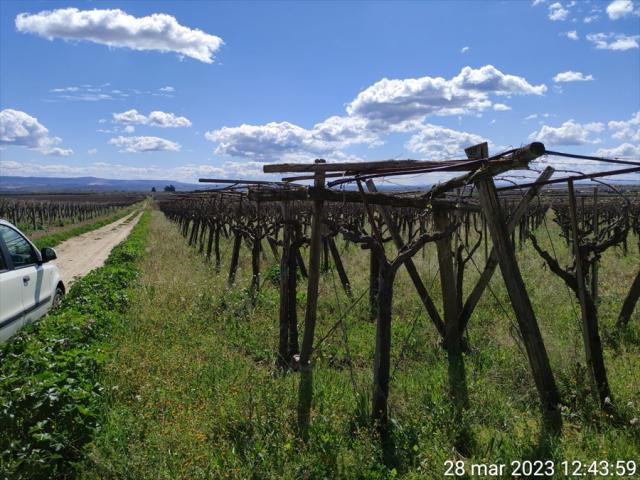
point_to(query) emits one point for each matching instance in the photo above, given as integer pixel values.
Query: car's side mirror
(48, 254)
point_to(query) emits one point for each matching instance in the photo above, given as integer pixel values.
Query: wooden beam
(531, 336)
(350, 196)
(492, 260)
(355, 166)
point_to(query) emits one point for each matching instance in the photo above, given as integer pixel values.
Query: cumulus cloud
(625, 150)
(569, 133)
(572, 35)
(621, 8)
(438, 142)
(626, 129)
(557, 12)
(144, 144)
(386, 107)
(590, 18)
(392, 102)
(154, 119)
(277, 139)
(612, 41)
(92, 151)
(21, 129)
(167, 89)
(570, 76)
(464, 49)
(116, 28)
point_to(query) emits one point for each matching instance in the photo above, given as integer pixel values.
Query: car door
(11, 309)
(26, 262)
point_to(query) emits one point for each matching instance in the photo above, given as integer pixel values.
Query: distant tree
(169, 188)
(153, 189)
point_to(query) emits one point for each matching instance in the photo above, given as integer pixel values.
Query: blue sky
(218, 89)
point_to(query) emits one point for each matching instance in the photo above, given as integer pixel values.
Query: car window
(20, 250)
(3, 265)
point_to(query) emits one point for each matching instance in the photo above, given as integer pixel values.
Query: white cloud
(389, 103)
(144, 144)
(87, 93)
(501, 107)
(167, 89)
(620, 8)
(624, 150)
(20, 128)
(116, 28)
(535, 3)
(439, 143)
(557, 12)
(626, 130)
(277, 139)
(569, 133)
(611, 41)
(590, 18)
(154, 119)
(464, 49)
(92, 151)
(572, 35)
(570, 76)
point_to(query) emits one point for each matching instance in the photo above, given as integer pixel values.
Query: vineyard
(476, 229)
(36, 212)
(344, 330)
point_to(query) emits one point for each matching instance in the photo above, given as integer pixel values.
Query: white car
(29, 284)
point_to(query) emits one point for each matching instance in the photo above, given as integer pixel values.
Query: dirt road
(79, 255)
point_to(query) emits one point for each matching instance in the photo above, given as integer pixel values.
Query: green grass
(192, 391)
(53, 239)
(50, 390)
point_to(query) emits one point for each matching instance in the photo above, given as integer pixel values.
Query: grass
(53, 239)
(50, 390)
(192, 392)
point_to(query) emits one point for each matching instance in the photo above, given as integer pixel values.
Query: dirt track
(79, 255)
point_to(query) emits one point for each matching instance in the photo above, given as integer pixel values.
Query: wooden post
(453, 332)
(447, 281)
(315, 253)
(344, 279)
(492, 261)
(410, 265)
(531, 336)
(235, 254)
(382, 356)
(216, 246)
(374, 283)
(629, 303)
(283, 345)
(596, 231)
(591, 335)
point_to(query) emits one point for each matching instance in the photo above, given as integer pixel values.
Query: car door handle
(25, 280)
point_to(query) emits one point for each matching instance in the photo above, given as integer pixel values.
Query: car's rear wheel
(57, 297)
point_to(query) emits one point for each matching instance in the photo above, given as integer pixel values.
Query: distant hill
(11, 184)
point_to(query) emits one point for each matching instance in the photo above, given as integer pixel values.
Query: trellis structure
(289, 215)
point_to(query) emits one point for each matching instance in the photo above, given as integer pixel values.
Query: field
(187, 380)
(193, 374)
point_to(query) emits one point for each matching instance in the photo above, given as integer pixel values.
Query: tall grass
(193, 391)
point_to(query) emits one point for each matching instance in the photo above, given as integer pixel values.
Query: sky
(189, 89)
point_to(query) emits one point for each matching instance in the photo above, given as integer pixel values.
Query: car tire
(57, 297)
